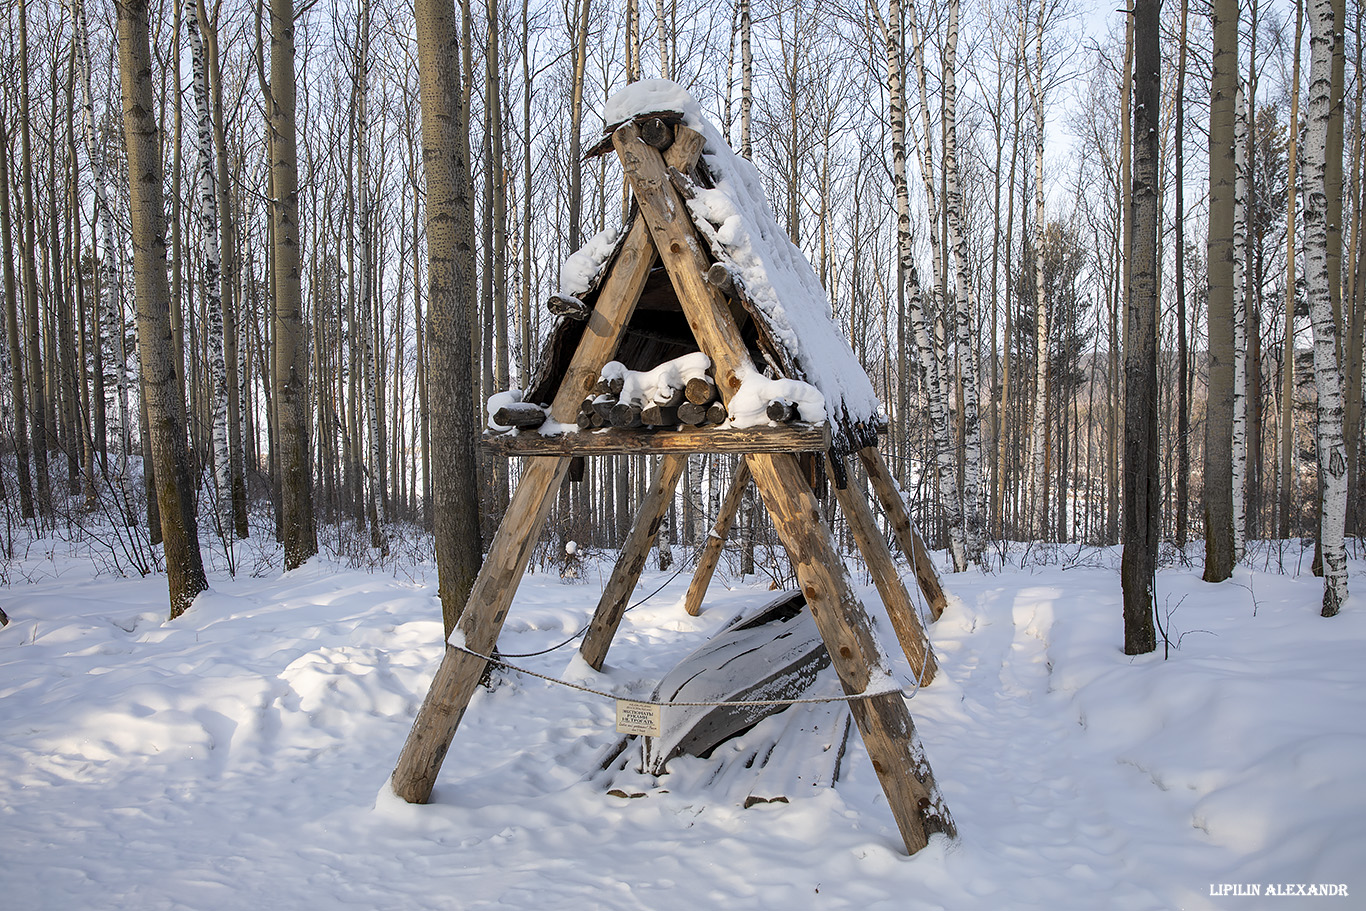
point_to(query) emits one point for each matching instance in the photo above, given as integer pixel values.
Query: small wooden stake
(634, 552)
(716, 541)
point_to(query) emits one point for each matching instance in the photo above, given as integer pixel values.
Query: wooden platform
(615, 441)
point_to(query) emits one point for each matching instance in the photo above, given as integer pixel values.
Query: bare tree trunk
(165, 405)
(1219, 548)
(213, 291)
(1240, 304)
(1319, 144)
(1183, 452)
(16, 355)
(1142, 493)
(966, 304)
(1287, 421)
(227, 278)
(37, 399)
(291, 341)
(1037, 470)
(576, 121)
(444, 152)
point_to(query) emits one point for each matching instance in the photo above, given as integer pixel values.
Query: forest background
(962, 189)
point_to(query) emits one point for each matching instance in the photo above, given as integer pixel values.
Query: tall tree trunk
(449, 231)
(165, 405)
(291, 341)
(212, 285)
(1037, 460)
(576, 120)
(227, 272)
(16, 354)
(1183, 451)
(1324, 25)
(1240, 305)
(37, 398)
(966, 303)
(1287, 421)
(1219, 548)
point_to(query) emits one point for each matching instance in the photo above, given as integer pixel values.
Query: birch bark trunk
(1327, 371)
(207, 195)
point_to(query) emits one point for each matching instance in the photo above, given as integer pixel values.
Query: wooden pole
(894, 508)
(634, 552)
(886, 725)
(716, 541)
(459, 672)
(905, 620)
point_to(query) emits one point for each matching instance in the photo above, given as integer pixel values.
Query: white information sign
(640, 718)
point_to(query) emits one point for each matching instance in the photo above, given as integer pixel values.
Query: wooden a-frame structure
(662, 231)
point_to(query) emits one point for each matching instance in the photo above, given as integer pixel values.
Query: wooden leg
(487, 607)
(880, 479)
(879, 560)
(887, 729)
(634, 553)
(716, 541)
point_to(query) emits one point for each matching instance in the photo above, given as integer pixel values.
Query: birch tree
(1240, 305)
(1323, 23)
(207, 194)
(966, 303)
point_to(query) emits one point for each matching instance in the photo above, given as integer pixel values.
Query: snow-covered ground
(239, 756)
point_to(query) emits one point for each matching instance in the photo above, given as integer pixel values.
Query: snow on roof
(779, 285)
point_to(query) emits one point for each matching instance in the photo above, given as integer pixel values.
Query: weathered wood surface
(716, 541)
(709, 438)
(634, 552)
(617, 298)
(459, 672)
(700, 390)
(894, 508)
(888, 731)
(905, 621)
(486, 609)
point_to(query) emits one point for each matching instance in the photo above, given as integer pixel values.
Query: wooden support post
(905, 620)
(886, 726)
(486, 609)
(478, 628)
(888, 731)
(716, 541)
(894, 508)
(634, 552)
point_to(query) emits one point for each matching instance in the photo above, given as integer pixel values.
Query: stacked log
(696, 404)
